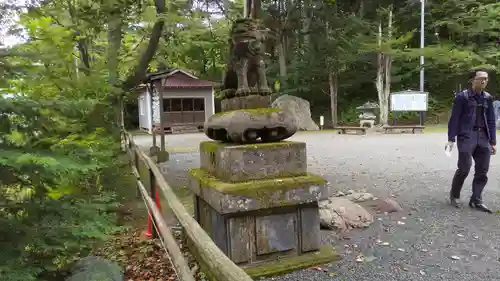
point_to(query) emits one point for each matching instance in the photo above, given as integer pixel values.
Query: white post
(321, 122)
(422, 45)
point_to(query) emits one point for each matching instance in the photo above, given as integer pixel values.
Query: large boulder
(342, 214)
(496, 106)
(95, 269)
(299, 109)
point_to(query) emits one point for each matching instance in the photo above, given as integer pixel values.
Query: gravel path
(413, 169)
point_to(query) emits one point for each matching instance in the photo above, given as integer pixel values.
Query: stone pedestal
(260, 206)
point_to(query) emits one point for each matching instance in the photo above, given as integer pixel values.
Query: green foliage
(51, 199)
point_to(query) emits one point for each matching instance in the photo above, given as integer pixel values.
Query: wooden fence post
(152, 232)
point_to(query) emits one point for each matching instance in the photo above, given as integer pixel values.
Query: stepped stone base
(260, 206)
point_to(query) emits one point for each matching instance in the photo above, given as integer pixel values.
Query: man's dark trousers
(476, 146)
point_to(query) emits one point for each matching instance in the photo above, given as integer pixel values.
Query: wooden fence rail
(207, 253)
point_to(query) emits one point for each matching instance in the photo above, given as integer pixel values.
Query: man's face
(480, 81)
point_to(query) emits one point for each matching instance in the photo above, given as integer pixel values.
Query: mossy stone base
(258, 237)
(324, 255)
(257, 194)
(237, 163)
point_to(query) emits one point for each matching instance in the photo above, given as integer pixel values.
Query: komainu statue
(247, 116)
(247, 51)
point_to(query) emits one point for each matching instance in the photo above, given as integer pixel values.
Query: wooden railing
(207, 253)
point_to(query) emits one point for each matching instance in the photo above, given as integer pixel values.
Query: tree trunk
(379, 83)
(333, 85)
(115, 25)
(387, 85)
(282, 62)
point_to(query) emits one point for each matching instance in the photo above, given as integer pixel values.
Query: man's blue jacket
(463, 116)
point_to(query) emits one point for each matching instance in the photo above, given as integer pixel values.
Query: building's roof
(177, 78)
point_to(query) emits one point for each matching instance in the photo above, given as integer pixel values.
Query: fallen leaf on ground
(142, 259)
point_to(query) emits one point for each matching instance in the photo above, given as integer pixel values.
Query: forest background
(63, 87)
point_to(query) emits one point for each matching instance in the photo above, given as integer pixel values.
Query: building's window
(167, 105)
(187, 104)
(141, 105)
(176, 104)
(182, 105)
(199, 104)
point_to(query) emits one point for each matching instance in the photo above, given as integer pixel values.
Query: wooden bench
(351, 130)
(407, 129)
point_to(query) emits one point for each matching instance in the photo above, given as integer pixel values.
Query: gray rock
(358, 197)
(496, 105)
(342, 214)
(96, 269)
(299, 108)
(388, 206)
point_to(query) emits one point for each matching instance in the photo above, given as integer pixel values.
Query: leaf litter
(143, 259)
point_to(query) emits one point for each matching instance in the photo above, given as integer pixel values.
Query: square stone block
(237, 163)
(227, 197)
(265, 235)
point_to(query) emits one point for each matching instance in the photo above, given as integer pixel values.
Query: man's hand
(449, 146)
(493, 149)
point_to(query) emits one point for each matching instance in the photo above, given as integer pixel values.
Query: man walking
(472, 123)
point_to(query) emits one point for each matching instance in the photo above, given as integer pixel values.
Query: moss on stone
(326, 254)
(257, 189)
(252, 111)
(212, 146)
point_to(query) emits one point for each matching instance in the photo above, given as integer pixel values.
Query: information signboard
(409, 101)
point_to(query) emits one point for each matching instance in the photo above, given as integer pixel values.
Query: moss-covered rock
(96, 269)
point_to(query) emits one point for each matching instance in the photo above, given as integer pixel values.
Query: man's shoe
(455, 202)
(478, 205)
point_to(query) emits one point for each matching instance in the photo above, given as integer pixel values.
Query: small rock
(401, 249)
(401, 223)
(340, 194)
(388, 205)
(455, 258)
(341, 214)
(370, 258)
(358, 197)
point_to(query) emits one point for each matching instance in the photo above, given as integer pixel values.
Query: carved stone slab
(258, 236)
(237, 163)
(228, 198)
(246, 126)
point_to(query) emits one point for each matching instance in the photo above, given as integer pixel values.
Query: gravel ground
(414, 170)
